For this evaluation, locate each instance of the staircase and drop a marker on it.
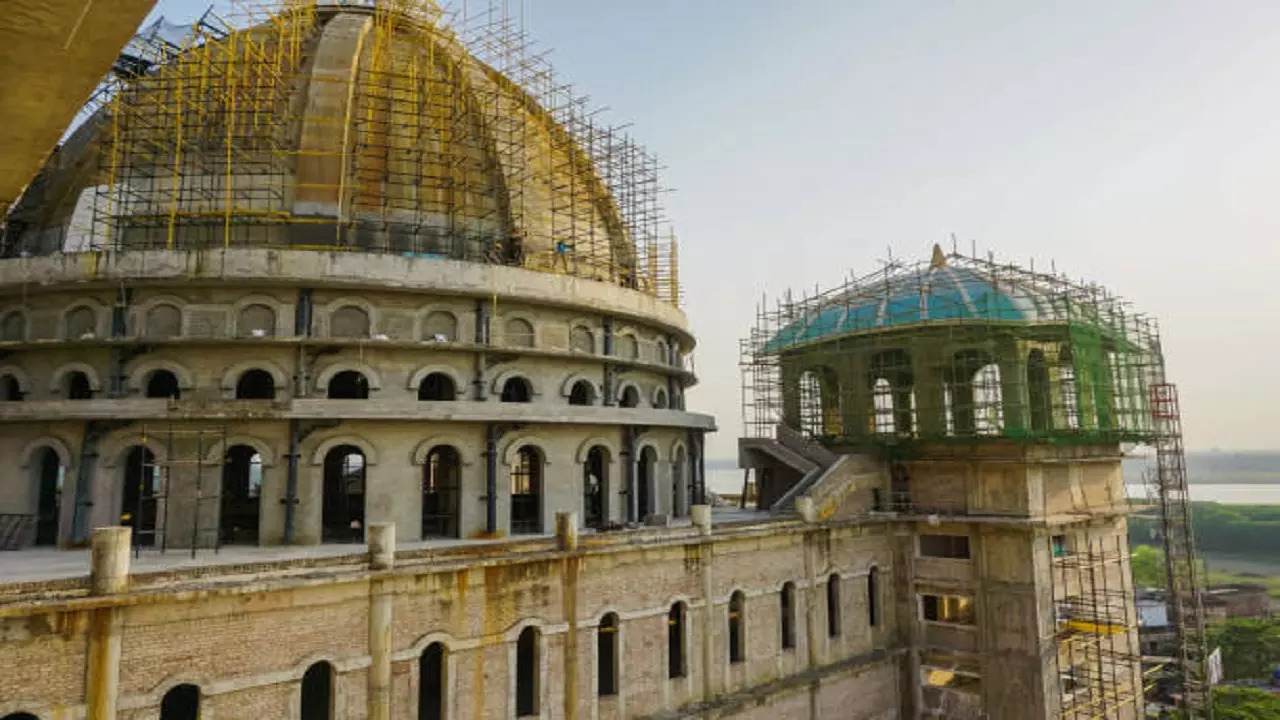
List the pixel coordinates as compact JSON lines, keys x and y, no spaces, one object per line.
{"x":826,"y":477}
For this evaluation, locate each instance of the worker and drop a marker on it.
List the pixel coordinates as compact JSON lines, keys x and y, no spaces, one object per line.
{"x":515,"y":249}
{"x":562,"y":255}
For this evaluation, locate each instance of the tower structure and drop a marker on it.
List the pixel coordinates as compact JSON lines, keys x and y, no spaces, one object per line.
{"x":995,"y":400}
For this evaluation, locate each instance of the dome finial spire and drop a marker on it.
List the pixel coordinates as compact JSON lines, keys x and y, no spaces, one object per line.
{"x":939,"y":260}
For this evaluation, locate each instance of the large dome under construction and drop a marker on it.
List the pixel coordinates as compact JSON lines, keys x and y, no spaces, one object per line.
{"x":350,"y":127}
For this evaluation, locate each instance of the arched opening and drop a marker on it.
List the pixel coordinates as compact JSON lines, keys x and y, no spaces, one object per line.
{"x":138,"y":494}
{"x":181,"y":703}
{"x":630,"y":397}
{"x":526,"y":492}
{"x":662,"y":353}
{"x":437,"y":387}
{"x":75,"y":385}
{"x":256,"y":321}
{"x":892,"y":385}
{"x":518,"y":332}
{"x":882,"y":404}
{"x":627,"y":347}
{"x":680,"y":490}
{"x":317,"y":692}
{"x":164,"y":321}
{"x":440,"y":326}
{"x":974,"y":385}
{"x":1068,"y":389}
{"x":13,"y":328}
{"x":20,"y":716}
{"x":441,"y":492}
{"x":737,"y":605}
{"x":1038,"y":392}
{"x":517,"y":390}
{"x":162,"y":384}
{"x":348,"y":385}
{"x":256,"y":385}
{"x":660,"y":399}
{"x":581,"y":393}
{"x":10,"y":389}
{"x":645,"y":483}
{"x":50,"y":474}
{"x":607,"y":656}
{"x":241,"y":496}
{"x":787,"y":612}
{"x":431,"y":682}
{"x":676,"y":665}
{"x":873,"y":597}
{"x":344,"y":483}
{"x":82,"y":322}
{"x":833,"y":605}
{"x":988,"y":407}
{"x":527,"y":660}
{"x":594,"y":487}
{"x":581,"y":340}
{"x":349,"y":322}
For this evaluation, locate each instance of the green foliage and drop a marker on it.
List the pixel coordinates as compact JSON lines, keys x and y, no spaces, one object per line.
{"x":1234,"y":703}
{"x":1250,"y":648}
{"x":1250,"y":530}
{"x":1148,"y":566}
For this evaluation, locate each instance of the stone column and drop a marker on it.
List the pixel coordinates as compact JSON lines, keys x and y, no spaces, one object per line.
{"x":701,"y":516}
{"x":108,"y":575}
{"x":382,"y":556}
{"x":567,"y":540}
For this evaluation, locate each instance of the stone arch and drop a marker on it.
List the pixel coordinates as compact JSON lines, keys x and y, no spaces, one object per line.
{"x":57,"y":444}
{"x":659,"y":399}
{"x":626,"y":345}
{"x":439,"y":321}
{"x":18,"y":374}
{"x":519,"y":330}
{"x":325,"y":375}
{"x":262,"y":447}
{"x":15,"y":323}
{"x":371,"y":312}
{"x":566,"y":386}
{"x":113,"y":451}
{"x":254,"y":313}
{"x":162,"y":318}
{"x":641,"y":444}
{"x":500,"y":379}
{"x":538,"y":442}
{"x":580,"y":455}
{"x":459,"y":382}
{"x":621,"y":392}
{"x":582,"y":338}
{"x":677,"y":445}
{"x":369,"y":450}
{"x":159,"y":690}
{"x":461,"y":444}
{"x":76,"y":312}
{"x":138,"y":375}
{"x":232,"y":375}
{"x":55,"y":384}
{"x":420,"y":645}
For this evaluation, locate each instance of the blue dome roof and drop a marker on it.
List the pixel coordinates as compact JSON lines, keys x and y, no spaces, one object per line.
{"x":935,"y":294}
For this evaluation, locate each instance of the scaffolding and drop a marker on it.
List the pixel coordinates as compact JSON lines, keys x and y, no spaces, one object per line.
{"x":1095,"y":630}
{"x":450,"y":137}
{"x":180,"y":484}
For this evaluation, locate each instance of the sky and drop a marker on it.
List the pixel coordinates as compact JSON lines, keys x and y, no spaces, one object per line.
{"x":1132,"y":144}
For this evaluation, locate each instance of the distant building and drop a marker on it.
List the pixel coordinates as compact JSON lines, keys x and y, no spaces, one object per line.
{"x":1236,"y":600}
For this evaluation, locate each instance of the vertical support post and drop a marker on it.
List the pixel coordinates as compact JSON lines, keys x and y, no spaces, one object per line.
{"x":382,"y":557}
{"x":628,"y":457}
{"x":108,"y":575}
{"x":291,"y":484}
{"x":482,"y":340}
{"x":567,"y":540}
{"x":491,"y":479}
{"x":701,"y":516}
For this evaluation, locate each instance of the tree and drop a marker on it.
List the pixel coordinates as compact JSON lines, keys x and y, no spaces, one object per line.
{"x":1235,"y":703}
{"x":1250,"y":648}
{"x":1148,"y":568}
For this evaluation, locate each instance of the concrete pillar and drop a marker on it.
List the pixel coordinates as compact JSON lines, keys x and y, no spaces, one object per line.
{"x":108,"y":575}
{"x":804,"y":506}
{"x":382,"y":556}
{"x":566,"y":530}
{"x":701,"y":516}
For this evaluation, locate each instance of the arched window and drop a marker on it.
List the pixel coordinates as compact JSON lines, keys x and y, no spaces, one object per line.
{"x":630,"y":397}
{"x":1067,"y":386}
{"x":833,"y":605}
{"x":181,"y":703}
{"x":581,"y":340}
{"x":241,"y":496}
{"x":607,"y":656}
{"x":873,"y":597}
{"x":82,"y":322}
{"x":737,"y":638}
{"x":645,"y":480}
{"x":437,"y":387}
{"x":20,"y":716}
{"x":162,"y":384}
{"x":519,"y":333}
{"x":527,"y":661}
{"x":1038,"y":392}
{"x":663,"y":353}
{"x":441,"y":492}
{"x":627,"y":347}
{"x":988,"y":409}
{"x":431,"y":682}
{"x":882,"y":401}
{"x":594,"y":487}
{"x":256,"y":321}
{"x":819,"y":395}
{"x":256,"y":384}
{"x":75,"y":385}
{"x":517,"y":390}
{"x":676,"y":664}
{"x":680,"y":490}
{"x":317,"y":692}
{"x":344,"y":486}
{"x":10,"y":389}
{"x":660,"y":399}
{"x":138,"y":494}
{"x":349,"y":321}
{"x":581,"y":393}
{"x":164,"y":321}
{"x":526,"y":492}
{"x":13,"y":328}
{"x":787,"y":612}
{"x":50,"y":475}
{"x":348,"y":385}
{"x":440,"y":326}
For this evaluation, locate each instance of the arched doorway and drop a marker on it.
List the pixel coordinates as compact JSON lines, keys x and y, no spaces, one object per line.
{"x":163,"y":384}
{"x":76,"y":386}
{"x":526,"y":492}
{"x":645,"y":483}
{"x":50,"y":474}
{"x":348,"y":385}
{"x":138,"y":494}
{"x":441,"y":491}
{"x":256,"y":385}
{"x":595,"y":487}
{"x":241,"y":496}
{"x":181,"y":703}
{"x":437,"y":387}
{"x":342,"y":515}
{"x":317,"y":692}
{"x":431,"y":679}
